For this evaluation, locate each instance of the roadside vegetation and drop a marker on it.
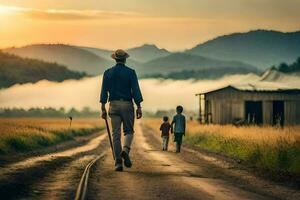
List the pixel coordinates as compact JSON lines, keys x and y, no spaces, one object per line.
{"x":27,"y":134}
{"x":276,"y":151}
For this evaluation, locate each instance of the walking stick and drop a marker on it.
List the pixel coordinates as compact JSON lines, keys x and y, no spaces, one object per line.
{"x":109,"y":136}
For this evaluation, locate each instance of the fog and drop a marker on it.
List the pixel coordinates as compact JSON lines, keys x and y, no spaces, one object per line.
{"x":158,"y":94}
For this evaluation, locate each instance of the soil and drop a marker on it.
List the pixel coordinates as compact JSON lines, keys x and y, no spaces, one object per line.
{"x":191,"y":174}
{"x":155,"y":174}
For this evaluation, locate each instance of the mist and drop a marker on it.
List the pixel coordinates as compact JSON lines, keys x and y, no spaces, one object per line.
{"x":158,"y":94}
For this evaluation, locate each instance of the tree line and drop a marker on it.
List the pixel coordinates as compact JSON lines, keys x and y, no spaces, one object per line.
{"x":15,"y":69}
{"x":48,"y":112}
{"x":289,"y":68}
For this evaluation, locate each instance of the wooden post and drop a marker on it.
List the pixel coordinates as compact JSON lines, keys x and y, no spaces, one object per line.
{"x":200,"y":110}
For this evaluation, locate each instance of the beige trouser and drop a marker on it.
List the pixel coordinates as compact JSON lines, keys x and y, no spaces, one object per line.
{"x":121,"y":112}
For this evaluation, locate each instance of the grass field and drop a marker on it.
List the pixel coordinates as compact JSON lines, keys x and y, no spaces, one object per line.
{"x":272,"y":149}
{"x":25,"y":134}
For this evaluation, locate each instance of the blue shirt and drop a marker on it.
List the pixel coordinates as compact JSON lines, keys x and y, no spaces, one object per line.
{"x":120,"y":83}
{"x":179,"y":121}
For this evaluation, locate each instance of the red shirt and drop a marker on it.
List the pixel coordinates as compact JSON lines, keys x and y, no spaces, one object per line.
{"x":165,"y":129}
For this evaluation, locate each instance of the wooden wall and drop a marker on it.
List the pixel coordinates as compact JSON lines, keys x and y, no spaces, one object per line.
{"x":229,"y":104}
{"x":267,"y":107}
{"x":292,"y":112}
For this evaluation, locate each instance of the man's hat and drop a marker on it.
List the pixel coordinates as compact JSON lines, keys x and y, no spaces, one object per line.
{"x":120,"y":54}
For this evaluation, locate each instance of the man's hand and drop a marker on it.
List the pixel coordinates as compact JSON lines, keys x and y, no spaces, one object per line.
{"x":104,"y":113}
{"x":139,"y":113}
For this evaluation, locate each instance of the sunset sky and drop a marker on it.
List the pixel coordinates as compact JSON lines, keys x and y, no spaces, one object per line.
{"x":170,"y":24}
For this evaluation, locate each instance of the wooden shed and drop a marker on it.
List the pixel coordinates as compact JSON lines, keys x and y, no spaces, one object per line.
{"x":260,"y":103}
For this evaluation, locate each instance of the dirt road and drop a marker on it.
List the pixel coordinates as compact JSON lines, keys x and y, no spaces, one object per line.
{"x":188,"y":175}
{"x":155,"y":175}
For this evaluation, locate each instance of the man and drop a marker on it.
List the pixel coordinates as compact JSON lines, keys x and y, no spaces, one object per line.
{"x":119,"y":86}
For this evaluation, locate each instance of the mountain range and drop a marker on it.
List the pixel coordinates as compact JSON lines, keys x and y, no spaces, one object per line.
{"x":260,"y":48}
{"x":76,"y":59}
{"x":253,"y":51}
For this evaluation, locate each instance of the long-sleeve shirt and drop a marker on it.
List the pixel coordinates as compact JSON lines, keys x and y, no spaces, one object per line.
{"x":120,"y":83}
{"x":179,"y":123}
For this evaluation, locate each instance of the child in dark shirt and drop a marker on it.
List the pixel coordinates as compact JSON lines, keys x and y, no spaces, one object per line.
{"x":165,"y":131}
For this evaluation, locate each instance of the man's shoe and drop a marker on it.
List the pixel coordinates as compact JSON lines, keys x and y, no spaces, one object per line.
{"x":126,"y":158}
{"x":119,"y":168}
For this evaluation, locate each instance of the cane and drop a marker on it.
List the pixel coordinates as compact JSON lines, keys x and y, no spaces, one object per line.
{"x":109,"y":136}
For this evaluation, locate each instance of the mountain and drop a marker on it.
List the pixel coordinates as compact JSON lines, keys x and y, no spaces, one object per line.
{"x":107,"y":55}
{"x":15,"y":69}
{"x":146,"y":53}
{"x":74,"y":58}
{"x":177,"y":62}
{"x":260,"y":48}
{"x":97,"y":51}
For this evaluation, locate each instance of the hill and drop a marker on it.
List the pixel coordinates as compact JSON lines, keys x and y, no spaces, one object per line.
{"x":146,"y":53}
{"x":259,"y":48}
{"x":138,"y":55}
{"x":23,"y":70}
{"x":74,"y":58}
{"x":178,"y":62}
{"x":107,"y":55}
{"x":97,"y":51}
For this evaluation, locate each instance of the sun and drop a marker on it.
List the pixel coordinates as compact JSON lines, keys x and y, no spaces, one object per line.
{"x":4,"y":10}
{"x":8,"y":9}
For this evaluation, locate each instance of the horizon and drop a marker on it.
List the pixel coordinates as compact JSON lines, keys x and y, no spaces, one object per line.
{"x":150,"y":44}
{"x":118,"y":24}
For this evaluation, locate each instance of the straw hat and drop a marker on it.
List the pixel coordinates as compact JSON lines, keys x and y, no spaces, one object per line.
{"x":120,"y":54}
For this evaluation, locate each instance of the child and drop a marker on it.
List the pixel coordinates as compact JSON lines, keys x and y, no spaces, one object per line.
{"x":179,"y":127}
{"x":165,"y":130}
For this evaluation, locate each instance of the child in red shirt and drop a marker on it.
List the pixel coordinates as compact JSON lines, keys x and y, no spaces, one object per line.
{"x":165,"y":132}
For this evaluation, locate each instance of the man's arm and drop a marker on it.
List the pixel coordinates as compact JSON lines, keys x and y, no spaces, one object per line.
{"x":137,"y":95}
{"x":136,"y":92}
{"x":104,"y":95}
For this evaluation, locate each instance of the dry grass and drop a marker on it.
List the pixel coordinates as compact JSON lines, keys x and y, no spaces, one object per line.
{"x":255,"y":134}
{"x":268,"y":148}
{"x":23,"y":134}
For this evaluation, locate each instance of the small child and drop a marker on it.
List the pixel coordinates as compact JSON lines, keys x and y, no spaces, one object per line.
{"x":165,"y":131}
{"x":179,"y":127}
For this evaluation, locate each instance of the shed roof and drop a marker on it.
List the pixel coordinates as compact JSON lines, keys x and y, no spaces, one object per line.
{"x":259,"y":86}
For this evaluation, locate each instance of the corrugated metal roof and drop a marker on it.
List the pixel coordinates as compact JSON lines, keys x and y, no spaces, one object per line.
{"x":262,"y":86}
{"x":259,"y":86}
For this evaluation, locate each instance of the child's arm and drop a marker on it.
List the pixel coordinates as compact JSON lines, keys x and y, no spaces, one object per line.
{"x":173,"y":121}
{"x":184,"y":125}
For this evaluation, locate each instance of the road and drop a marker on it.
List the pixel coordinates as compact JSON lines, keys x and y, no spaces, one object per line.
{"x":155,"y":174}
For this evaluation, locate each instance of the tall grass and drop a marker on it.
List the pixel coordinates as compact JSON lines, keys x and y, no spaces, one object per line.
{"x":273,"y":149}
{"x":19,"y":135}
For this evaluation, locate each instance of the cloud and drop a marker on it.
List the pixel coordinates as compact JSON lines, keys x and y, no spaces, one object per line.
{"x":65,"y":14}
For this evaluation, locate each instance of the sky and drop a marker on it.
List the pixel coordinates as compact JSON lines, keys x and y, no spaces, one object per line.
{"x":171,"y":24}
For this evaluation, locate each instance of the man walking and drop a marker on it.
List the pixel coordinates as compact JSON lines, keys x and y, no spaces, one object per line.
{"x":119,"y":86}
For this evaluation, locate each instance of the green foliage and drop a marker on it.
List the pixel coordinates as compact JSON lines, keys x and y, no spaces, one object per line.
{"x":15,"y":70}
{"x":294,"y":67}
{"x":284,"y":157}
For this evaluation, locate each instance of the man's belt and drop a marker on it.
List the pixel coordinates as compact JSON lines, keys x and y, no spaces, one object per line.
{"x":120,"y":99}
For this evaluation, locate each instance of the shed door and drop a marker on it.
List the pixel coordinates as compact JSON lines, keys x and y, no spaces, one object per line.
{"x":253,"y":112}
{"x":278,"y":113}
